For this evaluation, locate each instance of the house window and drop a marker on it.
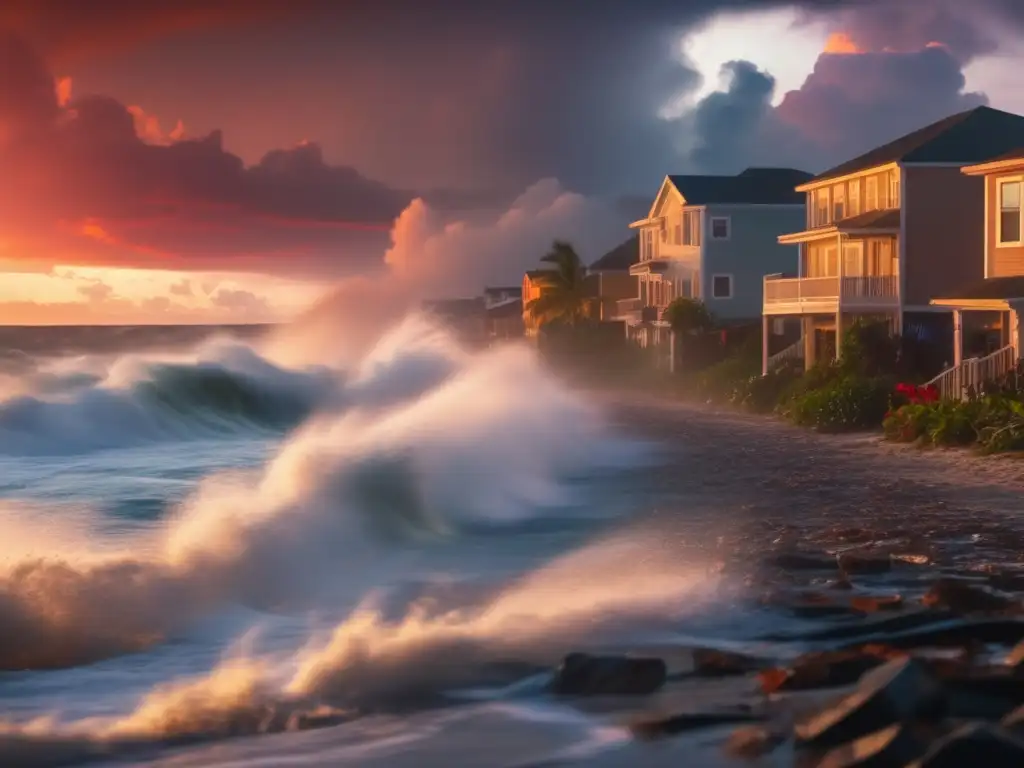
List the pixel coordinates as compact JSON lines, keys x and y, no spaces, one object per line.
{"x":871,"y":193}
{"x":721,"y":286}
{"x":853,"y":201}
{"x":839,"y":202}
{"x":720,"y":228}
{"x":778,"y":326}
{"x":678,"y":239}
{"x":686,"y":289}
{"x":894,"y":189}
{"x":821,"y":208}
{"x":1010,"y":212}
{"x":691,"y":228}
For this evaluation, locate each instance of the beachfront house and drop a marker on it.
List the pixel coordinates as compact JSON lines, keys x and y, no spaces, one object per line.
{"x":611,"y":277}
{"x":986,"y":313}
{"x":712,"y":238}
{"x":504,"y":311}
{"x":887,"y":232}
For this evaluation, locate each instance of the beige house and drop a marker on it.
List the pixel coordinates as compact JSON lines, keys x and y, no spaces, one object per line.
{"x":889,"y":231}
{"x":986,"y":313}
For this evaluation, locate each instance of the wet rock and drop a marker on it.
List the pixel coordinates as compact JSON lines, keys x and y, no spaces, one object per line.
{"x":864,"y":563}
{"x":975,"y":744}
{"x":1015,"y":658}
{"x":1015,"y":720}
{"x":583,"y":675}
{"x":988,"y":694}
{"x":753,"y":741}
{"x":877,"y":603}
{"x":827,"y":669}
{"x":961,"y":596}
{"x":900,"y":690}
{"x":843,"y":584}
{"x":676,"y":724}
{"x":711,"y":662}
{"x":804,"y":561}
{"x":896,"y":745}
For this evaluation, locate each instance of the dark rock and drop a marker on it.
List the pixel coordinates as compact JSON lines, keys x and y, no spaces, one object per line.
{"x":1015,"y":658}
{"x":828,"y":669}
{"x":902,"y":689}
{"x":896,"y":745}
{"x":876,"y":603}
{"x":975,"y":744}
{"x":1015,"y":720}
{"x":852,"y":563}
{"x":711,"y":662}
{"x":982,"y":693}
{"x":675,"y":724}
{"x":804,"y":561}
{"x":583,"y":675}
{"x":961,"y":596}
{"x":753,"y":741}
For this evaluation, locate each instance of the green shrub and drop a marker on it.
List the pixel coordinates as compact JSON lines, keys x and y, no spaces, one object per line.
{"x":993,"y":423}
{"x":846,"y":404}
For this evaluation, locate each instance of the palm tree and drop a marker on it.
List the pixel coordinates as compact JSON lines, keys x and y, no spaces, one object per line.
{"x":564,"y":294}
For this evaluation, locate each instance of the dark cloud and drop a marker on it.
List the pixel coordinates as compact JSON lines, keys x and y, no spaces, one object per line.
{"x":848,"y":104}
{"x":404,"y":95}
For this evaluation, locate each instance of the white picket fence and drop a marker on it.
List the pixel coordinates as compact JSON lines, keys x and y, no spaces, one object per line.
{"x":958,"y":382}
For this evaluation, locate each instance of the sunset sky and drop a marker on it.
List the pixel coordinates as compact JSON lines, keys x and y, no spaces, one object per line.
{"x":215,"y":161}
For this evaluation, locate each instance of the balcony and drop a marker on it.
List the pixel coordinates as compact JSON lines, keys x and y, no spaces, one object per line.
{"x":636,"y":311}
{"x":811,"y":295}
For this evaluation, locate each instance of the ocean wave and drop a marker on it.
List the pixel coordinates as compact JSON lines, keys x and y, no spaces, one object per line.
{"x":368,"y":665}
{"x":465,"y":442}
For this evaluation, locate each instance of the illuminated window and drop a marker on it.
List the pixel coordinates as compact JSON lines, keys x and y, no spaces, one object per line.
{"x":1010,"y":212}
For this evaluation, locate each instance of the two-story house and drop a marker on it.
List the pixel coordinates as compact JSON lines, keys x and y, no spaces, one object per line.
{"x":890,"y":230}
{"x":987,"y":313}
{"x":611,"y":277}
{"x":714,"y":238}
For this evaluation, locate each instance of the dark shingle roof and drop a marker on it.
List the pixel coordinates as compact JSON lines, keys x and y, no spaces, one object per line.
{"x":974,"y":136}
{"x":884,"y":219}
{"x":754,"y":186}
{"x":620,"y":258}
{"x":508,"y":309}
{"x":992,"y":288}
{"x":515,"y":290}
{"x":533,"y":274}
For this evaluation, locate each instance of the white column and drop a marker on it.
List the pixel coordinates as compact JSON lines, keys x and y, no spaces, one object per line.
{"x":764,"y":343}
{"x":958,"y":337}
{"x":839,"y":333}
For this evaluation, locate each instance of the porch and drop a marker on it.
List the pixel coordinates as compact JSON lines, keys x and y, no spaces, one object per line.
{"x":986,"y":335}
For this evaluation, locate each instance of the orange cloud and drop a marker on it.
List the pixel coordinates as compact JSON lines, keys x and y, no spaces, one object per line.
{"x":147,"y":128}
{"x":63,"y":91}
{"x":840,"y":43}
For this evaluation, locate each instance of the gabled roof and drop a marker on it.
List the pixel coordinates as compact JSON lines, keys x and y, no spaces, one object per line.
{"x":754,"y":186}
{"x":1008,"y":161}
{"x":973,"y":136}
{"x":620,"y":258}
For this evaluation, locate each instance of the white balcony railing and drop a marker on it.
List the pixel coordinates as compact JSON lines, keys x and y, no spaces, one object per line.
{"x":960,"y":381}
{"x":877,"y":289}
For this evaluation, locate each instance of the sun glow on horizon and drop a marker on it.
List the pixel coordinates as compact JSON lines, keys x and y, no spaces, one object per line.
{"x":68,"y":295}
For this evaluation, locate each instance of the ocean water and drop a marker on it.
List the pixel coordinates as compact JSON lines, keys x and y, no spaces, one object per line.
{"x":254,"y":549}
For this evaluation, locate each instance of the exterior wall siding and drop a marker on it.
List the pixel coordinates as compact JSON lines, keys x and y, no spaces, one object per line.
{"x":612,"y":287}
{"x":751,"y":252}
{"x":944,"y":215}
{"x":1002,"y":261}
